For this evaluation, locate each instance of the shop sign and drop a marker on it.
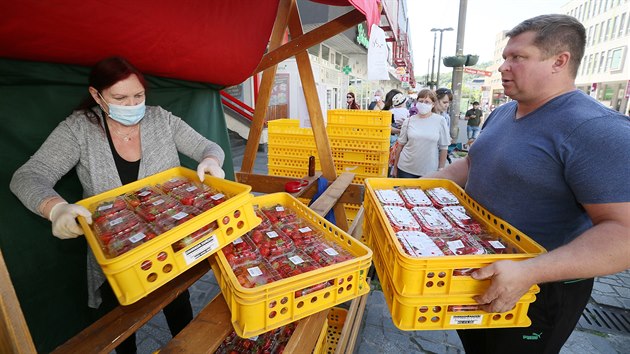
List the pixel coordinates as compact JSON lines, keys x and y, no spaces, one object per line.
{"x":362,"y":37}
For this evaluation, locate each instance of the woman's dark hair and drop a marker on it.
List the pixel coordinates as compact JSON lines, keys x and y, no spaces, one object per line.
{"x":105,"y":74}
{"x":388,"y":99}
{"x":443,"y":91}
{"x":354,"y":104}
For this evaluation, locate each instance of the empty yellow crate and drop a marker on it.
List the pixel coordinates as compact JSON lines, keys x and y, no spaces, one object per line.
{"x":128,"y":273}
{"x":413,"y":276}
{"x":446,"y":312}
{"x":332,"y":331}
{"x":348,"y":156}
{"x":359,"y":118}
{"x":263,"y":308}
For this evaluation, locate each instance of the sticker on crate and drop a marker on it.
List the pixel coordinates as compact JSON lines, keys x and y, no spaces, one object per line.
{"x":147,"y":232}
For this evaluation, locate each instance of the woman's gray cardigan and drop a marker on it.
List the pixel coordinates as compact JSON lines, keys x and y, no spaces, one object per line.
{"x":79,"y":142}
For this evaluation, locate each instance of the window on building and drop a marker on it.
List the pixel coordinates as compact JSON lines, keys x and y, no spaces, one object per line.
{"x":344,"y":61}
{"x":602,"y":31}
{"x":602,"y":62}
{"x":590,"y":64}
{"x":338,"y":58}
{"x":587,"y":9}
{"x":616,"y":62}
{"x":593,"y":8}
{"x":595,"y":62}
{"x":599,"y":8}
{"x":608,"y":29}
{"x":582,"y":65}
{"x":589,"y":35}
{"x":314,"y":50}
{"x":595,"y":34}
{"x":579,"y":13}
{"x":622,"y":24}
{"x":325,"y":52}
{"x":613,"y":32}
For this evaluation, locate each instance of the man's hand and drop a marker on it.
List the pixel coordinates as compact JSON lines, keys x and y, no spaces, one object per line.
{"x":509,"y":281}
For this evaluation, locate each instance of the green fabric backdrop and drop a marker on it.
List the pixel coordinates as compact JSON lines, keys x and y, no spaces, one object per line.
{"x":48,"y":274}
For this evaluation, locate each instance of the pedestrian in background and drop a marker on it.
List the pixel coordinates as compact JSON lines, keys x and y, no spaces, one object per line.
{"x":473,"y":116}
{"x":553,"y":163}
{"x":444,"y":99}
{"x":377,"y":102}
{"x":351,"y":102}
{"x":420,"y":136}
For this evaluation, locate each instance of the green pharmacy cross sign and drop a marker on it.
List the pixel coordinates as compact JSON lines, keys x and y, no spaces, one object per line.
{"x":346,"y":69}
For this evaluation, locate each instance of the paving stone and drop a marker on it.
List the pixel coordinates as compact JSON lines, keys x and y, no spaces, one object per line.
{"x":603,"y":288}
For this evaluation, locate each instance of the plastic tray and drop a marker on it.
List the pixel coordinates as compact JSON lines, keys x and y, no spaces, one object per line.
{"x":356,"y":118}
{"x":145,"y":268}
{"x":414,"y":276}
{"x":269,"y":306}
{"x":445,"y":313}
{"x":331,"y":331}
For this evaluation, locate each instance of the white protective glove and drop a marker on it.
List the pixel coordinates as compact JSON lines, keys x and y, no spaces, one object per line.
{"x":211,"y":166}
{"x":63,"y":217}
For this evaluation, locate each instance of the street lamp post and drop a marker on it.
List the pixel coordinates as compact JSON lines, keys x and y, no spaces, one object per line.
{"x":441,"y":30}
{"x":433,"y":62}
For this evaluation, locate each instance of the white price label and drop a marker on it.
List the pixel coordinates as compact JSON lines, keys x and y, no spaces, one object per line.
{"x":296,"y":260}
{"x":144,"y":194}
{"x":272,"y":234}
{"x":279,"y":208}
{"x":191,"y":188}
{"x":180,"y":215}
{"x":137,"y":237}
{"x":105,"y":207}
{"x":158,"y":202}
{"x":116,"y":221}
{"x":305,"y":229}
{"x":237,"y":241}
{"x":331,"y":252}
{"x":455,"y":245}
{"x":254,"y":271}
{"x":496,"y":244}
{"x":217,"y":196}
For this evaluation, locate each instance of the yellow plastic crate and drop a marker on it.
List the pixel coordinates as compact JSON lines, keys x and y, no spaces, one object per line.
{"x":297,"y":172}
{"x":125,"y":273}
{"x":263,"y":308}
{"x":332,"y":331}
{"x":367,"y":158}
{"x":362,"y":168}
{"x":445,"y":312}
{"x":359,"y":117}
{"x":300,"y":172}
{"x":322,"y":338}
{"x":351,"y":212}
{"x":359,"y":132}
{"x":414,"y":276}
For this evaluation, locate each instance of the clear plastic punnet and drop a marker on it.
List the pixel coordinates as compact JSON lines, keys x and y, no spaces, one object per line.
{"x":414,"y":197}
{"x":458,"y":216}
{"x":389,"y":197}
{"x":418,"y":244}
{"x":442,"y":197}
{"x":432,"y":221}
{"x":400,"y":218}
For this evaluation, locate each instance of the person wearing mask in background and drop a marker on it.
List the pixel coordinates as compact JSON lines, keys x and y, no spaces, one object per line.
{"x":554,"y":164}
{"x":112,"y":139}
{"x":395,"y":103}
{"x":351,"y":102}
{"x":473,"y":116}
{"x":420,"y":136}
{"x":444,"y":98}
{"x":377,"y":103}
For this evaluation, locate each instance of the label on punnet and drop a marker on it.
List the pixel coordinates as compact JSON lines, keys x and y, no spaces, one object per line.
{"x":217,"y":196}
{"x":272,"y":234}
{"x":116,"y":221}
{"x":496,"y":244}
{"x":254,"y":271}
{"x":279,"y":208}
{"x":467,"y":320}
{"x":191,"y":188}
{"x":180,"y":215}
{"x":254,"y":338}
{"x":158,"y":202}
{"x":202,"y":249}
{"x":237,"y":241}
{"x":137,"y":237}
{"x":144,"y":194}
{"x":454,"y":245}
{"x":331,"y":252}
{"x":296,"y":260}
{"x":305,"y":229}
{"x":105,"y":207}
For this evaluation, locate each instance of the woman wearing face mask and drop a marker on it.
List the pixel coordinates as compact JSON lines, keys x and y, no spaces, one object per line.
{"x":112,"y":139}
{"x":351,"y":101}
{"x":419,"y":137}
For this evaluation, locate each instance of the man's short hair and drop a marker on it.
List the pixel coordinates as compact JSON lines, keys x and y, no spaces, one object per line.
{"x":475,"y":103}
{"x":554,"y":34}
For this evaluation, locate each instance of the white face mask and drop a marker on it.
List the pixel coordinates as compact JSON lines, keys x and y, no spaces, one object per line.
{"x":126,"y":115}
{"x":423,"y":108}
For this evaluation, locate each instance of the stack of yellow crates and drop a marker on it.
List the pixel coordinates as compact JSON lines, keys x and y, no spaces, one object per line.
{"x":359,"y":141}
